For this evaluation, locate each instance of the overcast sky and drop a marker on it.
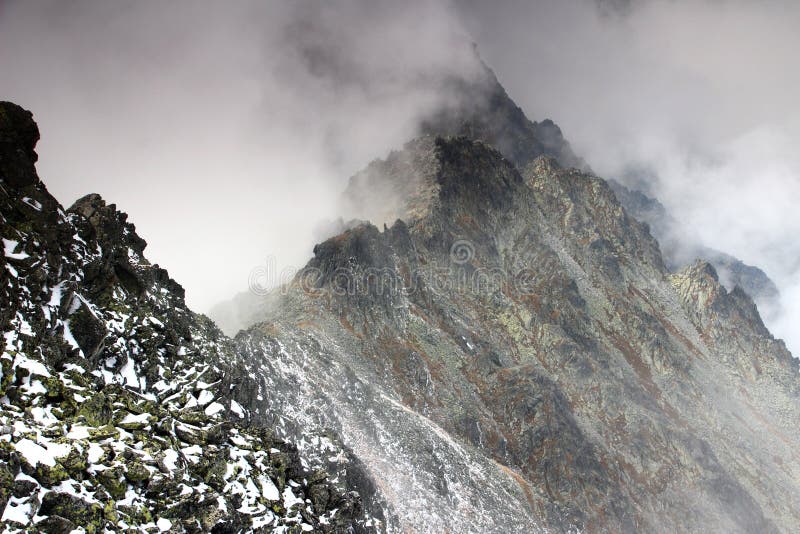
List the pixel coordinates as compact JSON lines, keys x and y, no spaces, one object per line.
{"x":227,"y":130}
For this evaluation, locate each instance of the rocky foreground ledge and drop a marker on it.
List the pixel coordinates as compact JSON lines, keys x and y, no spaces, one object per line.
{"x":115,"y":399}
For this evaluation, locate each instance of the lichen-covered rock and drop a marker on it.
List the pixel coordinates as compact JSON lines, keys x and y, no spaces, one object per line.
{"x":72,"y":508}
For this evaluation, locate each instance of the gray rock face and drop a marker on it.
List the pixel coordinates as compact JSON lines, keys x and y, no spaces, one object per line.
{"x":512,"y":354}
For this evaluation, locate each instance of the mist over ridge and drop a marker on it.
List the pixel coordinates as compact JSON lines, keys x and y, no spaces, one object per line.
{"x":466,"y":267}
{"x":252,"y":110}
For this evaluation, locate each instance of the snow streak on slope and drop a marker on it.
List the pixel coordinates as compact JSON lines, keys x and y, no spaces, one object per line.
{"x":430,"y":481}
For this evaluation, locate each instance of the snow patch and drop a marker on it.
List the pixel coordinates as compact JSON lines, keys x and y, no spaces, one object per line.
{"x":268,"y":488}
{"x":17,"y":511}
{"x":10,"y":245}
{"x":35,"y":454}
{"x":135,"y":418}
{"x":55,"y":294}
{"x":205,"y":397}
{"x":68,"y":337}
{"x":128,"y":374}
{"x":237,"y":409}
{"x":95,"y":453}
{"x":171,"y":460}
{"x":34,"y":367}
{"x":35,"y":204}
{"x":289,"y":498}
{"x":214,"y":408}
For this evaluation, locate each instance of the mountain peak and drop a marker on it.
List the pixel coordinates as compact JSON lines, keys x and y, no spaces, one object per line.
{"x":482,"y":110}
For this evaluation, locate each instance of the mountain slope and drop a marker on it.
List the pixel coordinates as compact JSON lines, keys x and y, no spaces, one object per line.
{"x":512,"y":354}
{"x":115,"y":399}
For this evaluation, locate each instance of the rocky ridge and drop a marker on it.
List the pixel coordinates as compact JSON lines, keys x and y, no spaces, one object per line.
{"x":679,"y":250}
{"x":116,"y":402}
